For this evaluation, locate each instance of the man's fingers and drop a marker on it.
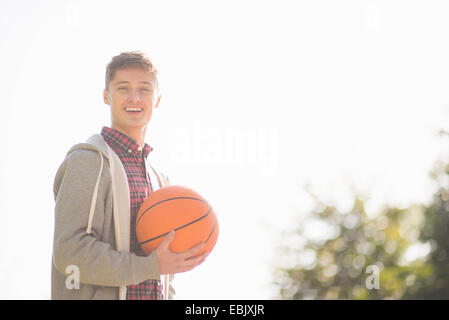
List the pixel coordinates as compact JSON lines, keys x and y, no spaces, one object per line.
{"x":196,"y":259}
{"x":194,"y":262}
{"x":173,"y":262}
{"x":191,"y":252}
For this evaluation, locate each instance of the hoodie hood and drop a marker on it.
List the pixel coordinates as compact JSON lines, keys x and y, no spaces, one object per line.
{"x":94,"y":143}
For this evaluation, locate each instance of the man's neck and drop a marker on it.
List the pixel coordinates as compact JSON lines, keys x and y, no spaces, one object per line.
{"x":136,"y":134}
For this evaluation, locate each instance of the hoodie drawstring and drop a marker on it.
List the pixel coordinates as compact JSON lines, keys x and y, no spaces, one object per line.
{"x":94,"y":198}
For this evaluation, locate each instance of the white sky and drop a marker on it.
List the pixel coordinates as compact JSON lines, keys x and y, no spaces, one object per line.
{"x":259,"y":98}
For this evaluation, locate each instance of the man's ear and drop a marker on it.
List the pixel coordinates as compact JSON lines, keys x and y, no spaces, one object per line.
{"x":158,"y":101}
{"x":105,"y":96}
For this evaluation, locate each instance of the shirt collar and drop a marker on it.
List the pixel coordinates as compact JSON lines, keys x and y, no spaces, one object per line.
{"x":122,"y":143}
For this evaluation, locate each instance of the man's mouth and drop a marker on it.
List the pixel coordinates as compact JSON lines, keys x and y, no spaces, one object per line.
{"x":133,"y":109}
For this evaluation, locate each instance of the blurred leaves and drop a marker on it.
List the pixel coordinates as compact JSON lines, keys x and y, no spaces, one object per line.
{"x":410,"y":247}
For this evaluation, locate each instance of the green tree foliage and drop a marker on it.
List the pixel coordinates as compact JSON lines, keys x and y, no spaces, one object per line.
{"x":335,"y":266}
{"x":435,"y":231}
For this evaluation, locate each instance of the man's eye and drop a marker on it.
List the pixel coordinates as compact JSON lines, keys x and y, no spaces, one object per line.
{"x":146,"y":89}
{"x":122,"y":88}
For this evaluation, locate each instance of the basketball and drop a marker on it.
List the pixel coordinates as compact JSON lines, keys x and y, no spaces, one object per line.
{"x":181,"y":209}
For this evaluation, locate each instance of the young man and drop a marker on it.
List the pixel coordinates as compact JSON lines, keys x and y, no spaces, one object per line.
{"x":98,"y":190}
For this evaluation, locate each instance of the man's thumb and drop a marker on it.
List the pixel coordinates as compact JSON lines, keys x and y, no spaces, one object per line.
{"x":168,"y":238}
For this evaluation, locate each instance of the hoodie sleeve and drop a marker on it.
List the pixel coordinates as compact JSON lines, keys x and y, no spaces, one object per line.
{"x":98,"y":262}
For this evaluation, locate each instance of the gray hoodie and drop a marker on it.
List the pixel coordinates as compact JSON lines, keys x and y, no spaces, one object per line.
{"x":92,"y":227}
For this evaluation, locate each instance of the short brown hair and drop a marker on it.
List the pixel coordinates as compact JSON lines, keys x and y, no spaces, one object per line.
{"x":129,"y":59}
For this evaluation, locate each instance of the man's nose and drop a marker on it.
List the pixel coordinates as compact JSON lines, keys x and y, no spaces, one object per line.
{"x":135,"y":96}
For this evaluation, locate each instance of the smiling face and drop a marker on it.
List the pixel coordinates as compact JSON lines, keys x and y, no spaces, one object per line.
{"x":132,"y":94}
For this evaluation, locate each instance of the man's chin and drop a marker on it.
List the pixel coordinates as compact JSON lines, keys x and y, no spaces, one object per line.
{"x":133,"y":125}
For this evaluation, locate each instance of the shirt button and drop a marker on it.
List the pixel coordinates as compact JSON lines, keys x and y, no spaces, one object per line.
{"x":139,"y":148}
{"x":129,"y":151}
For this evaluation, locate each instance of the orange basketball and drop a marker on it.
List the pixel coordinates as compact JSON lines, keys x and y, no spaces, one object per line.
{"x":180,"y":209}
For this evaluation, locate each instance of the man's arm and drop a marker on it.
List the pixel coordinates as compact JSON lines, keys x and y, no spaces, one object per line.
{"x":98,"y":262}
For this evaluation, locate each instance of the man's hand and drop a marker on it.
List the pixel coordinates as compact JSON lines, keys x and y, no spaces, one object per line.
{"x":171,"y":262}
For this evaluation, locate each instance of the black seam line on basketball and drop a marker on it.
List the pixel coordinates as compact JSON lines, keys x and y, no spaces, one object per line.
{"x":190,"y":198}
{"x":178,"y":228}
{"x":213,"y":228}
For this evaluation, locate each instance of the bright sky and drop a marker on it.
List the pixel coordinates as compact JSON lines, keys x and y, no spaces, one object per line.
{"x":259,"y":99}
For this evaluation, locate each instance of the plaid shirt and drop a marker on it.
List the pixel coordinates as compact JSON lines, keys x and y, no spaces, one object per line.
{"x":132,"y":157}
